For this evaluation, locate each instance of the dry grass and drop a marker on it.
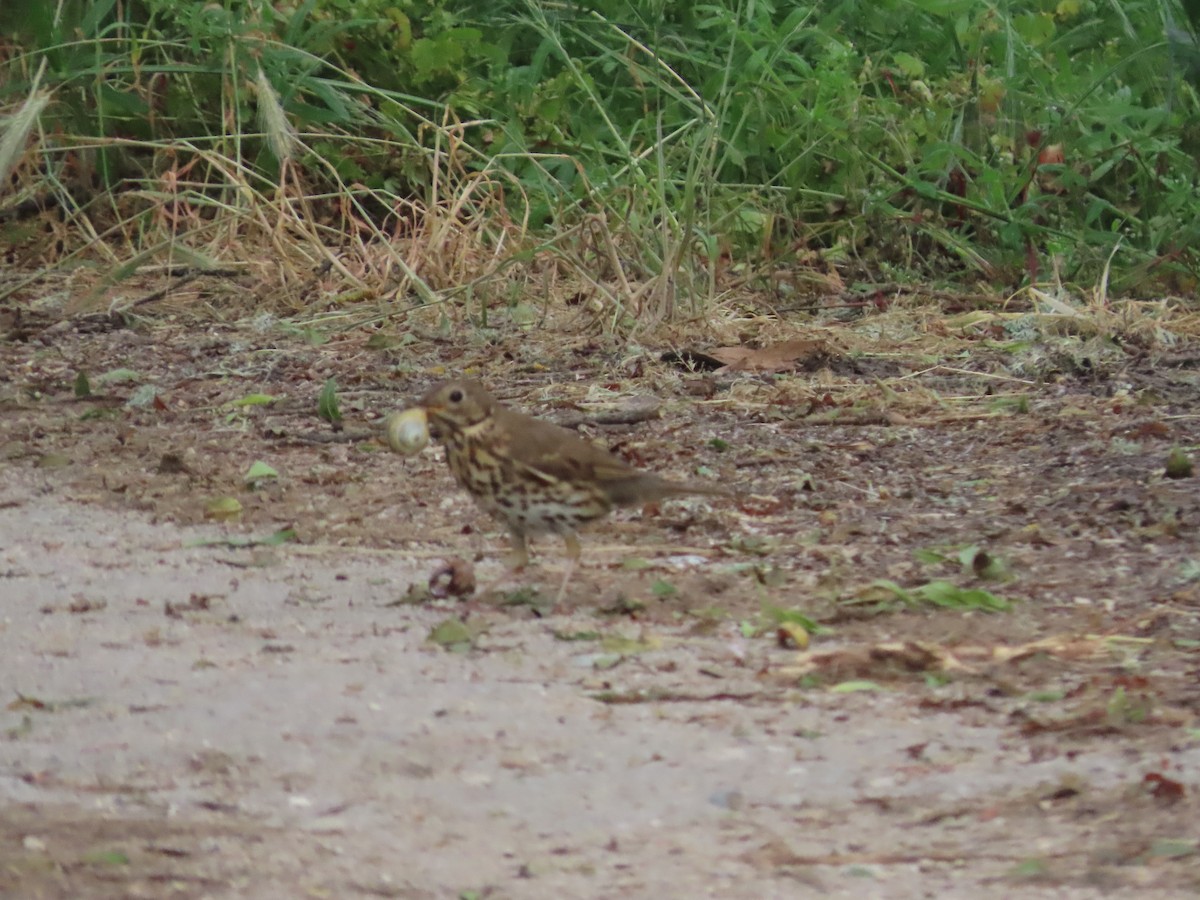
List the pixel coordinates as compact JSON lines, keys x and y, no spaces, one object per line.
{"x":294,"y":248}
{"x":207,"y":236}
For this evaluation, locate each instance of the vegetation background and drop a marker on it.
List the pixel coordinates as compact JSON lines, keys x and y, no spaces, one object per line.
{"x":936,"y":260}
{"x":645,"y":160}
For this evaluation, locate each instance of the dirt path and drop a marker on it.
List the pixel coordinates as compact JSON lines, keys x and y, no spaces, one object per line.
{"x":202,"y":720}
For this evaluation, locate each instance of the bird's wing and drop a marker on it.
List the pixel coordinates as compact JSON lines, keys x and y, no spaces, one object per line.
{"x":560,"y":454}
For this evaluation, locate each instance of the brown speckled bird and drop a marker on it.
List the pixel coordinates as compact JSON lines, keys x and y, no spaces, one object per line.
{"x":535,"y":476}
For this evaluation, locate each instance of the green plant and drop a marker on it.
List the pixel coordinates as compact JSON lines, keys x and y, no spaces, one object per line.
{"x":650,"y":155}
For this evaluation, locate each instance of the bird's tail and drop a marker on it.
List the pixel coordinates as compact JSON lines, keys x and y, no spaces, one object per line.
{"x":645,"y":488}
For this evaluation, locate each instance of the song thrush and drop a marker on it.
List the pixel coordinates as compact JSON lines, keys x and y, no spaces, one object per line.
{"x":535,"y":476}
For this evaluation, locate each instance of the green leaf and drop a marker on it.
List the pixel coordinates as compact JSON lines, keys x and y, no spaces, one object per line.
{"x":1179,"y":464}
{"x":106,"y":858}
{"x":777,"y":615}
{"x":381,"y":340}
{"x":945,"y":594}
{"x":854,"y":687}
{"x":944,"y":7}
{"x":577,"y":635}
{"x":254,"y":400}
{"x":930,"y":557}
{"x":524,"y":314}
{"x":144,"y":396}
{"x":223,"y":508}
{"x":455,"y":635}
{"x":1017,"y":404}
{"x":1036,"y":28}
{"x":978,"y":562}
{"x":626,"y":646}
{"x":116,"y":376}
{"x":97,"y":413}
{"x":966,"y":556}
{"x":53,"y":461}
{"x":662,"y":589}
{"x":313,"y":337}
{"x":282,"y":536}
{"x":909,"y":64}
{"x":1029,"y":868}
{"x":83,"y":387}
{"x":1173,"y":848}
{"x":93,"y":19}
{"x":258,"y":471}
{"x":936,"y":593}
{"x":897,"y":592}
{"x":1049,"y":696}
{"x":327,"y":403}
{"x":526,"y":596}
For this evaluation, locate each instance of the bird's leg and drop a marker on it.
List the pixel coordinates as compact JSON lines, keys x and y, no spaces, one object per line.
{"x":573,"y":552}
{"x":519,"y":557}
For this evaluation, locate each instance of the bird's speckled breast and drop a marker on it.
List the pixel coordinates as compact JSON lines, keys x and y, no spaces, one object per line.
{"x":476,"y":469}
{"x":527,"y":501}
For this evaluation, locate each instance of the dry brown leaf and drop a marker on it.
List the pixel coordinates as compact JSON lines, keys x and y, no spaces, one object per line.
{"x":880,"y":660}
{"x":877,"y":661}
{"x":776,"y":358}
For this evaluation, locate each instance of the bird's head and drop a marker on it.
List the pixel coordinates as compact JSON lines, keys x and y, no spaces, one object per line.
{"x":454,"y":406}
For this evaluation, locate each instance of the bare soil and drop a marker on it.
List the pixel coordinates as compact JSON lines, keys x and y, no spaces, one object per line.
{"x":195,"y":710}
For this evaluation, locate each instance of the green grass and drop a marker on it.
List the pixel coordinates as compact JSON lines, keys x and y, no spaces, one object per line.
{"x":651,"y":158}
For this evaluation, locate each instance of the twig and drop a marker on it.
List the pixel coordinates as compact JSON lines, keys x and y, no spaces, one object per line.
{"x":184,"y":274}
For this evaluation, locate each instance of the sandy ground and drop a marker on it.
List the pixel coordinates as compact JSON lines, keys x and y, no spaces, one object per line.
{"x":185,"y":718}
{"x":292,"y":734}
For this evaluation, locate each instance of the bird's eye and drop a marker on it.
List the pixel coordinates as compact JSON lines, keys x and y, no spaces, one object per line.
{"x":456,"y":396}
